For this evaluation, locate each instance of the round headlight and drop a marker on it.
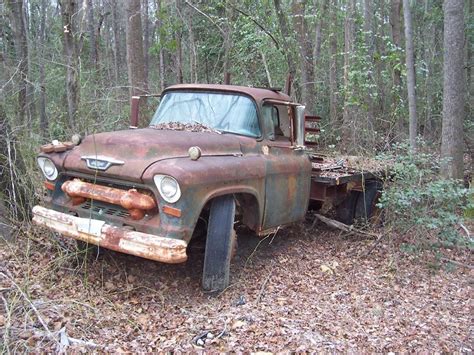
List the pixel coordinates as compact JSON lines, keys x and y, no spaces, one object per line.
{"x":168,"y":188}
{"x":48,"y":168}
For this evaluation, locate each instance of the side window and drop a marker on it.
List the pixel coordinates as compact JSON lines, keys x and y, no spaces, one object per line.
{"x":277,"y":122}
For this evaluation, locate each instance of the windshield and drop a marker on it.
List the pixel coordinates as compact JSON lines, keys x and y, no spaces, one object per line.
{"x":222,"y":112}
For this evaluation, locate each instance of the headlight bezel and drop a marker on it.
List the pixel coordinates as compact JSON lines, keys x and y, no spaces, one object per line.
{"x":159,"y":180}
{"x":45,"y":163}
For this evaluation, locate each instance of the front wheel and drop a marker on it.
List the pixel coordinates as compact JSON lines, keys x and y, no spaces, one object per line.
{"x":219,"y":244}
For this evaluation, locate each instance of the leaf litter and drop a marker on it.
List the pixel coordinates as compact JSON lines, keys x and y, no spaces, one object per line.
{"x":301,"y":290}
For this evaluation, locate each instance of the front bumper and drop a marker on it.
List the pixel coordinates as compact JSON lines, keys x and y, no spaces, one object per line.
{"x":98,"y":232}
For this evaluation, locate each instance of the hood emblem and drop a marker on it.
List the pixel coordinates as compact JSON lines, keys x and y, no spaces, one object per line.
{"x":99,"y":162}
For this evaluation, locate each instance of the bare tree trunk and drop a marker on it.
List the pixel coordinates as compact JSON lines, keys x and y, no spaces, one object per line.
{"x":42,"y":99}
{"x":68,"y":11}
{"x":92,"y":35}
{"x":333,"y":66}
{"x":135,"y":60}
{"x":411,"y":80}
{"x":146,"y":39}
{"x":117,"y":50}
{"x":369,"y":42}
{"x":306,"y":55}
{"x":348,"y":119}
{"x":227,"y":40}
{"x":285,"y":34}
{"x":161,"y":54}
{"x":395,"y":24}
{"x":469,"y":56}
{"x":17,"y":19}
{"x":318,"y":36}
{"x":454,"y":89}
{"x":179,"y":58}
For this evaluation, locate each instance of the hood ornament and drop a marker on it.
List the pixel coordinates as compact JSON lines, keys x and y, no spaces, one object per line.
{"x":100,"y":162}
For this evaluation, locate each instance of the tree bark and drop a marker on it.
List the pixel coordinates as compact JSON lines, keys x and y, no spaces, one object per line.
{"x":68,"y":11}
{"x":42,"y":99}
{"x":17,"y":18}
{"x":92,"y":35}
{"x":146,"y":39}
{"x":395,"y":24}
{"x":411,"y":80}
{"x":333,"y":66}
{"x":285,"y":34}
{"x":116,"y":42}
{"x":369,"y":42}
{"x":348,"y":119}
{"x":306,"y":55}
{"x":161,"y":53}
{"x":135,"y":60}
{"x":454,"y":90}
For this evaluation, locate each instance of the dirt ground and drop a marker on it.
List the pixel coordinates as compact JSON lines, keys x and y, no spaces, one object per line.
{"x":301,"y":289}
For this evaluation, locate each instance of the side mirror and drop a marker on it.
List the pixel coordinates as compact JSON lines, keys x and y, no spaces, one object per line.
{"x":299,"y":126}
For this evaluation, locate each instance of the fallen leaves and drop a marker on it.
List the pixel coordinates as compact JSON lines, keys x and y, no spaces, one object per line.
{"x":314,"y":295}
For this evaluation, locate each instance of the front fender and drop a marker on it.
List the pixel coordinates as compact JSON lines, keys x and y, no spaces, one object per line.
{"x":209,"y":177}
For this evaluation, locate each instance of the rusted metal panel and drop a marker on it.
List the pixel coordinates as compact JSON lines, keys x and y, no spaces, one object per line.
{"x":132,"y":200}
{"x":287,"y":185}
{"x":97,"y":232}
{"x":258,"y":94}
{"x":140,"y":148}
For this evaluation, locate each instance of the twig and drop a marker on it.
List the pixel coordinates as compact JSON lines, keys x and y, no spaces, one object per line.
{"x":258,"y":24}
{"x":458,"y":263}
{"x":206,"y":16}
{"x":344,"y":227}
{"x":38,"y":315}
{"x":262,"y":289}
{"x":465,"y":230}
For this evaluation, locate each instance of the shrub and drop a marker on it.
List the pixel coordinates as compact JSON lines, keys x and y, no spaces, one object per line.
{"x":418,"y":202}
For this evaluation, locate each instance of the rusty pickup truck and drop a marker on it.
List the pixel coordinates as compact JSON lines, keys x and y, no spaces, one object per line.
{"x":219,"y":153}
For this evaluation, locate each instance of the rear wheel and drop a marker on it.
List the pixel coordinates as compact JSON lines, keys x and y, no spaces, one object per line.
{"x":360,"y":206}
{"x":366,"y":207}
{"x":220,"y":243}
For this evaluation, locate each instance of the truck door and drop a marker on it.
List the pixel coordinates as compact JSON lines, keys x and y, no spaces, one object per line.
{"x":288,"y":170}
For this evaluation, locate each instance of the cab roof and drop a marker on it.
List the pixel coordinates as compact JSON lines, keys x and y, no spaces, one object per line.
{"x":258,"y":94}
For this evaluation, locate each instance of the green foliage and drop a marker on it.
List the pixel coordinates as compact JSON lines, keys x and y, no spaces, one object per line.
{"x":418,"y":203}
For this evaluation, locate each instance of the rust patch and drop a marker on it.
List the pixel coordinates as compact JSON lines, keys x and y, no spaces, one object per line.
{"x":135,"y":202}
{"x":96,"y":232}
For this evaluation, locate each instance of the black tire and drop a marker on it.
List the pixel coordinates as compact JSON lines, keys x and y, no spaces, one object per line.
{"x":366,"y":203}
{"x":345,"y":211}
{"x":219,"y":244}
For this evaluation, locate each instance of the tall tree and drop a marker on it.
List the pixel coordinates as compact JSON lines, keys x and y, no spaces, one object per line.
{"x":395,"y":24}
{"x":68,"y":13}
{"x":333,"y":65}
{"x":454,"y":89}
{"x":306,"y":54}
{"x":17,"y":18}
{"x":92,"y":35}
{"x":348,"y":129}
{"x":135,"y":59}
{"x":410,"y":64}
{"x":285,"y":34}
{"x":41,"y":60}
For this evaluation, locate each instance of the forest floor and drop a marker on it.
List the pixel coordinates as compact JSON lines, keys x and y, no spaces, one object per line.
{"x":301,"y":289}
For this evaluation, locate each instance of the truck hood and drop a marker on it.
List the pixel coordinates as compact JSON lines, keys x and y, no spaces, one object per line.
{"x":132,"y":151}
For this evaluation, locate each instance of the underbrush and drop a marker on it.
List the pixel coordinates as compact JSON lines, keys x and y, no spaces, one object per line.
{"x":427,"y":211}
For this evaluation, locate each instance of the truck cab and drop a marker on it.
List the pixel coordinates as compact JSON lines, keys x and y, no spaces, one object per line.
{"x":212,"y":151}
